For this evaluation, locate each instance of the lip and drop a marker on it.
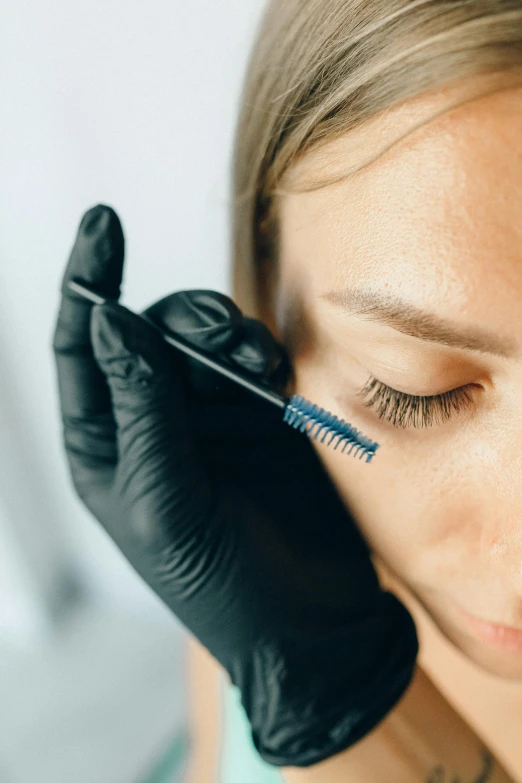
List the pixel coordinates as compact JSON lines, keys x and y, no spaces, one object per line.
{"x":501,"y":637}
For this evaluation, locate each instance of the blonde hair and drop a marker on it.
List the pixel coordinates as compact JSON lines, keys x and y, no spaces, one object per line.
{"x":320,"y":68}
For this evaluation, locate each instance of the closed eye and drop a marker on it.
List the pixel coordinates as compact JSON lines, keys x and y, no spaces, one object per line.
{"x":406,"y":410}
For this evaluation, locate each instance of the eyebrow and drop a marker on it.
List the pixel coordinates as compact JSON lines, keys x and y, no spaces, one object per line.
{"x":407,"y":318}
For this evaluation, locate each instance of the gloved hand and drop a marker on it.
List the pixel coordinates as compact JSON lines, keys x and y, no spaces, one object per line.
{"x":224,"y":510}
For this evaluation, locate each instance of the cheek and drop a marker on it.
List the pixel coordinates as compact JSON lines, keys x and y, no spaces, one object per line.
{"x":419,"y":507}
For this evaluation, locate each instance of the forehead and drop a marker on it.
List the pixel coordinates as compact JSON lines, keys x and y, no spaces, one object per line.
{"x":438,"y":214}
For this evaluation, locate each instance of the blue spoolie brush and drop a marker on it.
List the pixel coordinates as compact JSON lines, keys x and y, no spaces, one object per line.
{"x":298,"y":412}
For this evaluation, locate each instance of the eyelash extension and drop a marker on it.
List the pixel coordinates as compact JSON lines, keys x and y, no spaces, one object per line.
{"x":407,"y":410}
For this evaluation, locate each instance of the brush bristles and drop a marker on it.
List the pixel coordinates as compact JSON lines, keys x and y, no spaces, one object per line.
{"x":306,"y":417}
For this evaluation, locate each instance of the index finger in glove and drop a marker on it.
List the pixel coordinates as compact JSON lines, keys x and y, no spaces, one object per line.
{"x":212,"y":322}
{"x":97,"y":260}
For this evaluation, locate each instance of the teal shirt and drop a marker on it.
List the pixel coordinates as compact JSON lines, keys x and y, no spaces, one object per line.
{"x":240,"y":761}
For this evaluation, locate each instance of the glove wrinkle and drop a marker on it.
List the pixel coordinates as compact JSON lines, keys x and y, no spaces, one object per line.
{"x":206,"y":319}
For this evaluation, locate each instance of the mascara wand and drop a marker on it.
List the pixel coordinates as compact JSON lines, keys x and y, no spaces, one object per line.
{"x":298,"y":412}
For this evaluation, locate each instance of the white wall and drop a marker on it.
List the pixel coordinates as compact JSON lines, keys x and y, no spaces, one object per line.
{"x":132,"y":105}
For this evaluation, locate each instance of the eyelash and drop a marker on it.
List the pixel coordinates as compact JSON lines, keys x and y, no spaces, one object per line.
{"x":407,"y":410}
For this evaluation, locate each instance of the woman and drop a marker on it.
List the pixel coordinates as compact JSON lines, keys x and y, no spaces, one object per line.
{"x":434,"y":221}
{"x":378,"y":177}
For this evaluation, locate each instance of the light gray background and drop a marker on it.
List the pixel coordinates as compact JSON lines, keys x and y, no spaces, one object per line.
{"x":132,"y":105}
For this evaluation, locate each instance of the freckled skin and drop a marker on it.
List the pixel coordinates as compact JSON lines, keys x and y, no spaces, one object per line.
{"x":437,"y":220}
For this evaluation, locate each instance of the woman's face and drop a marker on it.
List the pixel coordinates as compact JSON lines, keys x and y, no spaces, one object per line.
{"x":410,"y":272}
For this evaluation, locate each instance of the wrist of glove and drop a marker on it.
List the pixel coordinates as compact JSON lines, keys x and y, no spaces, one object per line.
{"x":224,"y":510}
{"x":309,"y":697}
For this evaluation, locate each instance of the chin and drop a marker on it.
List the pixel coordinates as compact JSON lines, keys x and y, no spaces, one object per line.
{"x":500,"y":663}
{"x":505,"y":670}
{"x":506,"y":665}
{"x":503,"y":664}
{"x":429,"y":606}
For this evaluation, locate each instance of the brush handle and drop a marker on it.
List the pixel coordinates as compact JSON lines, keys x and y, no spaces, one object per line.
{"x":177,"y":342}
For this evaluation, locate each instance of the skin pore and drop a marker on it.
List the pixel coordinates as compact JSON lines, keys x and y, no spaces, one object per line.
{"x":434,"y":221}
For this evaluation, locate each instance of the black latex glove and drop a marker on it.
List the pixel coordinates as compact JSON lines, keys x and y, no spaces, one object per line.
{"x":224,"y":510}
